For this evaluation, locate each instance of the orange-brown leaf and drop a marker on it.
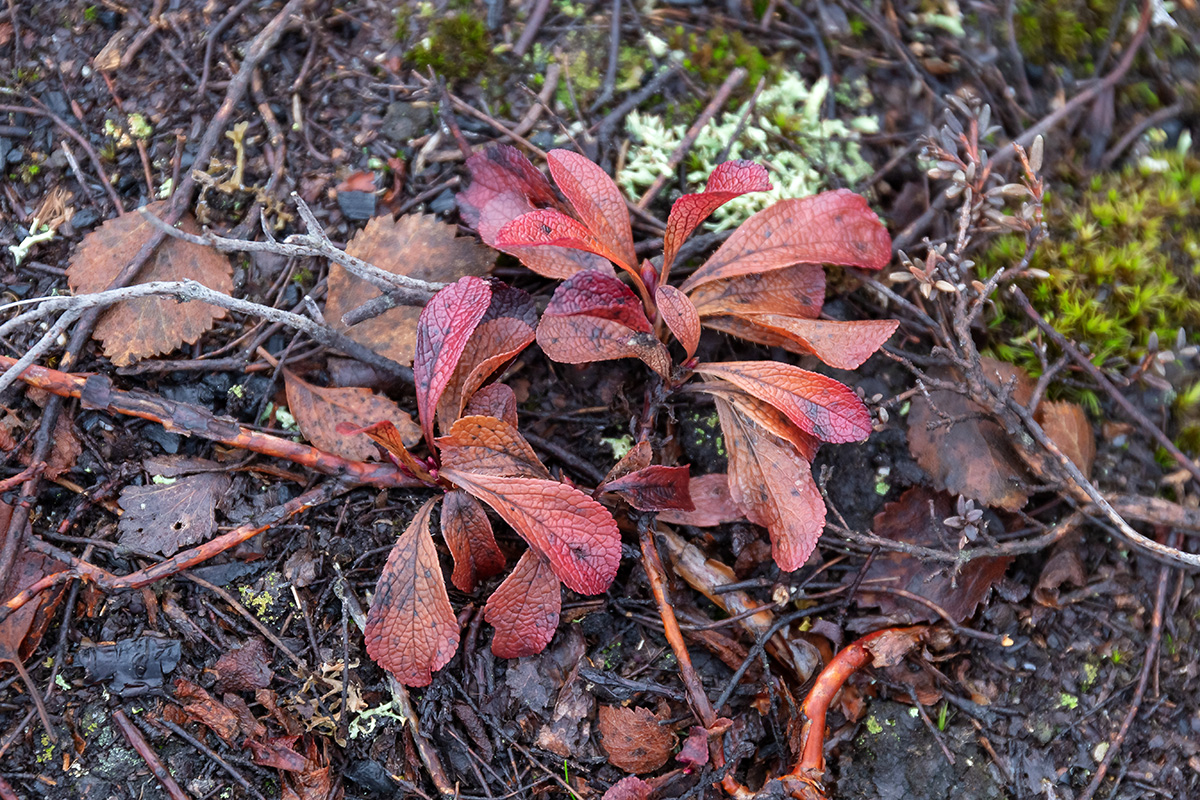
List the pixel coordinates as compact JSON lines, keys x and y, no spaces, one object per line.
{"x":389,"y":437}
{"x":582,"y":339}
{"x":633,"y":738}
{"x":411,"y":629}
{"x":654,"y":488}
{"x":596,"y":200}
{"x":525,"y":608}
{"x":729,"y":180}
{"x":1068,"y":427}
{"x":148,"y":326}
{"x":843,"y":345}
{"x":418,"y":246}
{"x":835,"y":227}
{"x":773,"y":485}
{"x":468,"y":534}
{"x":496,"y":400}
{"x":796,"y":291}
{"x":714,"y":505}
{"x":576,"y":533}
{"x":680,"y":315}
{"x":319,"y":410}
{"x":489,"y":446}
{"x":817,"y":404}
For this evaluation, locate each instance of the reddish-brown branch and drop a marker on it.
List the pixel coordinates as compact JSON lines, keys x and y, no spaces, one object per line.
{"x":97,"y":392}
{"x":143,"y":748}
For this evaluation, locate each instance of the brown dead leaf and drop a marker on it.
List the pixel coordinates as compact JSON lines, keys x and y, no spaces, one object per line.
{"x":22,"y":630}
{"x":633,"y":738}
{"x":246,"y":667}
{"x":202,"y":707}
{"x":319,"y":411}
{"x":163,"y":518}
{"x":65,"y":450}
{"x":918,"y":518}
{"x":1065,"y":566}
{"x":1068,"y":427}
{"x":419,"y":246}
{"x":148,"y":326}
{"x":966,"y":453}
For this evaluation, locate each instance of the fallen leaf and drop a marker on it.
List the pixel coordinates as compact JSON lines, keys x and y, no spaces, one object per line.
{"x":596,"y":200}
{"x":576,"y":533}
{"x":278,"y":752}
{"x":525,"y":608}
{"x":795,"y":291}
{"x":638,"y":457}
{"x":445,"y":327}
{"x":818,"y":405}
{"x":148,"y":326}
{"x":729,"y":180}
{"x":65,"y":450}
{"x":1068,"y":427}
{"x":694,"y":752}
{"x":680,"y":316}
{"x":714,"y":505}
{"x":835,"y":227}
{"x":468,"y":534}
{"x":1064,"y":566}
{"x":918,"y":518}
{"x":654,"y":488}
{"x":319,"y":411}
{"x":164,"y":518}
{"x":489,"y":446}
{"x":962,"y":449}
{"x":244,"y":668}
{"x":205,"y":709}
{"x":22,"y":630}
{"x":633,"y":738}
{"x":411,"y":629}
{"x":358,"y":182}
{"x":631,"y":788}
{"x":417,"y":246}
{"x":773,"y":485}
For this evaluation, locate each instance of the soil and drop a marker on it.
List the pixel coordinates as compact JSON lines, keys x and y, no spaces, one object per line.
{"x":1021,"y":700}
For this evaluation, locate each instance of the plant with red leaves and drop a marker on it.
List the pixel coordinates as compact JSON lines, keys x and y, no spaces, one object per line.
{"x":467,"y":332}
{"x":764,"y":284}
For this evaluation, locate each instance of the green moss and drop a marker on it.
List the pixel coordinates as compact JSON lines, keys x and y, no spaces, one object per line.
{"x":1067,"y":32}
{"x":713,"y":54}
{"x":455,"y":47}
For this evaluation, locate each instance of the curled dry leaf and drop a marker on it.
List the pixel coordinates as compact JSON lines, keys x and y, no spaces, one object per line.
{"x":633,"y":738}
{"x":148,"y":326}
{"x":680,"y":316}
{"x":22,"y":630}
{"x":638,"y":457}
{"x":918,"y":518}
{"x":575,"y":532}
{"x":411,"y":629}
{"x":773,"y":485}
{"x":713,"y":503}
{"x":835,"y":227}
{"x":164,"y":518}
{"x":962,"y":449}
{"x":525,"y":608}
{"x":816,"y":404}
{"x":694,"y":752}
{"x":468,"y":533}
{"x":416,"y":246}
{"x":320,"y":410}
{"x":729,"y":180}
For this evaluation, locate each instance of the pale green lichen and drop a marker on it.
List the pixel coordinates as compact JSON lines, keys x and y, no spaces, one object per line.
{"x":788,"y":111}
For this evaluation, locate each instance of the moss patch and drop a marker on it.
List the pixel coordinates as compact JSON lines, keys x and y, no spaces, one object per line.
{"x":456,"y":46}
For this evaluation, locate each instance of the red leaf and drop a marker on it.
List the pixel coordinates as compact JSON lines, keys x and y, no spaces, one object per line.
{"x":581,"y":339}
{"x":714,"y":505}
{"x":277,"y":752}
{"x":680,"y":315}
{"x":524,"y":609}
{"x":445,"y":326}
{"x":502,"y":177}
{"x":654,"y":488}
{"x":489,"y":446}
{"x":597,"y":202}
{"x":388,"y":436}
{"x":411,"y":628}
{"x":631,"y":788}
{"x":496,"y":400}
{"x":468,"y":534}
{"x":830,"y":228}
{"x":633,"y":738}
{"x":773,"y":484}
{"x":547,"y":227}
{"x":843,"y":345}
{"x":694,"y":752}
{"x":602,"y":296}
{"x":575,"y":532}
{"x":829,"y":410}
{"x":797,"y":291}
{"x":729,"y":180}
{"x":638,"y":457}
{"x":766,"y":416}
{"x":504,"y":331}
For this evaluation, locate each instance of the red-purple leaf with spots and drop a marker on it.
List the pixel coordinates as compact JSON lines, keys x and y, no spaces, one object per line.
{"x":489,"y":446}
{"x":468,"y":534}
{"x":765,"y":416}
{"x":654,"y":488}
{"x":524,"y":609}
{"x":599,"y":295}
{"x":831,"y":228}
{"x":714,"y":505}
{"x":582,"y":339}
{"x":546,"y":227}
{"x":411,"y":629}
{"x":388,"y":436}
{"x":597,"y":202}
{"x":444,"y":328}
{"x":843,"y":345}
{"x":575,"y":532}
{"x":729,"y":180}
{"x":680,"y":315}
{"x":819,"y":405}
{"x":796,"y":291}
{"x":495,"y":400}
